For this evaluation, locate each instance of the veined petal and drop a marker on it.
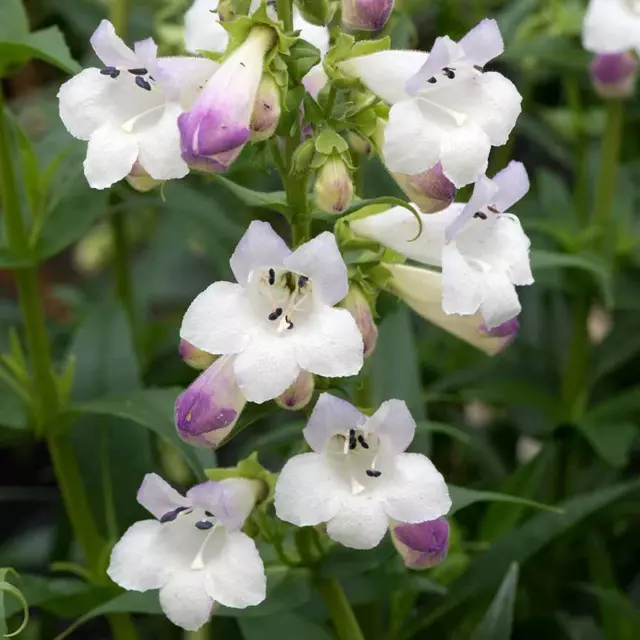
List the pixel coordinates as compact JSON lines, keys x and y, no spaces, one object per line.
{"x":483,"y":43}
{"x":500,"y":301}
{"x":110,"y":48}
{"x":235,"y":576}
{"x":158,"y":497}
{"x":465,"y":154}
{"x":329,"y":344}
{"x":219,"y":320}
{"x":513,"y":184}
{"x":462,"y":290}
{"x":321,"y":261}
{"x":185,"y":601}
{"x":330,"y":416}
{"x":202,"y":28}
{"x":484,"y":193}
{"x":610,"y":27}
{"x":259,"y":248}
{"x":386,"y":72}
{"x":360,"y":524}
{"x":111,"y":154}
{"x":307,"y":492}
{"x":394,"y":422}
{"x":417,"y":491}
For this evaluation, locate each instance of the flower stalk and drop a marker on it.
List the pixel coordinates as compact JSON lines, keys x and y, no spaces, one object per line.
{"x":344,"y":620}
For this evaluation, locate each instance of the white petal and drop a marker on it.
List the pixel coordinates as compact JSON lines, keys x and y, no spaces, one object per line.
{"x":320,"y":260}
{"x":386,"y":72}
{"x":110,"y":48}
{"x":417,"y":491}
{"x":394,"y":422}
{"x":329,"y":344}
{"x":218,"y":320}
{"x":500,"y":300}
{"x":158,"y":497}
{"x":508,"y":246}
{"x":230,"y":500}
{"x":185,"y":601}
{"x":610,"y":27}
{"x":187,"y":75}
{"x":484,"y":192}
{"x":462,"y":289}
{"x":159,"y":147}
{"x":315,"y":80}
{"x":259,"y":248}
{"x":266,"y":367}
{"x":314,"y":34}
{"x":483,"y":43}
{"x":329,"y":417}
{"x":137,"y":560}
{"x":411,"y":141}
{"x":110,"y":156}
{"x":513,"y":184}
{"x":361,"y":522}
{"x":202,"y":28}
{"x":235,"y":574}
{"x":465,"y":154}
{"x":442,"y":54}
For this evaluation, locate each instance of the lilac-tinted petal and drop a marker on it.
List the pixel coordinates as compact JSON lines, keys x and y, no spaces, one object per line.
{"x":159,"y":497}
{"x":483,"y":43}
{"x":259,"y":248}
{"x":421,"y":545}
{"x":110,"y":48}
{"x":440,"y":56}
{"x":484,"y":193}
{"x":299,"y":394}
{"x":231,"y":500}
{"x":330,"y":416}
{"x":513,"y":185}
{"x":394,"y":423}
{"x":186,"y":75}
{"x":508,"y":329}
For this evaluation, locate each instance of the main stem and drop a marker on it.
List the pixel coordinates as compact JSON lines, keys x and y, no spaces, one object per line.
{"x":344,"y":620}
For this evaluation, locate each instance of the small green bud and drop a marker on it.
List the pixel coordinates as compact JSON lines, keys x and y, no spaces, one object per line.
{"x":334,"y":187}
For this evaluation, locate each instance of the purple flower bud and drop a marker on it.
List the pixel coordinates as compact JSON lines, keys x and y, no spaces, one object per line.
{"x":421,"y":545}
{"x":213,"y":402}
{"x":195,"y":357}
{"x":299,"y":394}
{"x":431,"y":190}
{"x":358,"y":306}
{"x":614,"y":75}
{"x":216,"y":128}
{"x":366,"y":15}
{"x":266,"y":111}
{"x":333,"y":187}
{"x":507,"y":330}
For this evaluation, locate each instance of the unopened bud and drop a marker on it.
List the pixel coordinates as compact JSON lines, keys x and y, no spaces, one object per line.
{"x":140,"y":180}
{"x":421,"y":545}
{"x":614,"y":75}
{"x":431,"y":190}
{"x":358,"y":306}
{"x":358,"y":144}
{"x":229,"y":10}
{"x":317,"y":12}
{"x":333,"y":188}
{"x":266,"y":110}
{"x":299,"y":394}
{"x":212,"y":403}
{"x":366,"y":15}
{"x":195,"y":357}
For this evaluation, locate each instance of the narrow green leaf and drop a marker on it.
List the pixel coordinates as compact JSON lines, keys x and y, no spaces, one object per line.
{"x":275,"y":201}
{"x":284,"y":625}
{"x":15,"y":22}
{"x":620,"y":407}
{"x":463,"y":498}
{"x":612,"y":442}
{"x":497,"y":623}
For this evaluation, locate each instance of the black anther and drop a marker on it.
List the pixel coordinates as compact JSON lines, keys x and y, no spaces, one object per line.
{"x":142,"y":83}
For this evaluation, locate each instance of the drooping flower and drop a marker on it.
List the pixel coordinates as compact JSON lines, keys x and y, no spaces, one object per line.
{"x":128,"y":110}
{"x":299,"y":394}
{"x":445,"y":108}
{"x":214,"y":131}
{"x":366,"y":15}
{"x":358,"y":477}
{"x":612,"y":26}
{"x":483,"y":251}
{"x":421,"y":545}
{"x":333,"y":188}
{"x":358,"y":306}
{"x":614,"y":75}
{"x":194,"y":551}
{"x":212,"y":402}
{"x":279,"y":319}
{"x":421,"y":289}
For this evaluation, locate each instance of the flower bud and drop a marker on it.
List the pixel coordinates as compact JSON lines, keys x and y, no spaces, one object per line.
{"x":358,"y":306}
{"x":358,"y":144}
{"x":195,"y":357}
{"x":140,"y":180}
{"x":266,"y":110}
{"x":212,"y":403}
{"x":299,"y":394}
{"x":366,"y":15}
{"x":421,"y":545}
{"x":431,"y":190}
{"x":333,"y":188}
{"x":614,"y":75}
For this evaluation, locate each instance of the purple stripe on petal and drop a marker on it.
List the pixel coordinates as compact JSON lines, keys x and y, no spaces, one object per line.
{"x":507,"y":329}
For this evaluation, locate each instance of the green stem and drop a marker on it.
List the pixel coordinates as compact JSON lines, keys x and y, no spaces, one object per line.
{"x":581,"y":190}
{"x":285,"y":13}
{"x":344,"y":620}
{"x":121,"y":265}
{"x":119,"y":16}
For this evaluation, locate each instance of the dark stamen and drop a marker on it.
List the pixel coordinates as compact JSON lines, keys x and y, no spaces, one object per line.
{"x":477,"y":67}
{"x":208,"y":514}
{"x":432,"y":80}
{"x":302,"y":280}
{"x":204,"y":525}
{"x":482,"y":216}
{"x":289,"y":322}
{"x":363,"y":442}
{"x":170,"y":516}
{"x":142,"y":83}
{"x":272,"y":276}
{"x":112,"y":72}
{"x":352,"y":443}
{"x":492,"y":209}
{"x":138,"y":72}
{"x":276,"y":314}
{"x":450,"y":73}
{"x":373,"y":473}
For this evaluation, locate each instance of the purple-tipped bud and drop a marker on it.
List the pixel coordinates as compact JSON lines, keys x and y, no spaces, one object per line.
{"x":366,"y":15}
{"x":216,"y":128}
{"x":299,"y":394}
{"x":431,"y":190}
{"x":195,"y":357}
{"x":333,"y":188}
{"x":421,"y":545}
{"x":140,"y":180}
{"x":213,"y":402}
{"x":614,"y":75}
{"x":266,"y":111}
{"x":508,"y":331}
{"x":358,"y":306}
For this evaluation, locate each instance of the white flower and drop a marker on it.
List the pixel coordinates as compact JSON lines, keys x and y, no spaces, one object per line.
{"x":444,"y":107}
{"x":279,"y":319}
{"x":194,"y":551}
{"x":202,"y":28}
{"x":483,"y":252}
{"x":358,"y":477}
{"x":128,"y":110}
{"x":612,"y":26}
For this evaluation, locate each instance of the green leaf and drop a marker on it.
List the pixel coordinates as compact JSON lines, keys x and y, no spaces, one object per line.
{"x":284,"y":625}
{"x":624,"y":607}
{"x":15,"y":21}
{"x":462,"y":498}
{"x":617,"y":408}
{"x":7,"y":588}
{"x":303,"y":57}
{"x":342,"y":562}
{"x":329,"y":141}
{"x":497,"y":623}
{"x":275,"y":201}
{"x":439,"y":427}
{"x":612,"y":442}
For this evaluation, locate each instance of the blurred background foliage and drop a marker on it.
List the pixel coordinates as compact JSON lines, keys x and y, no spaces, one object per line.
{"x":553,"y":419}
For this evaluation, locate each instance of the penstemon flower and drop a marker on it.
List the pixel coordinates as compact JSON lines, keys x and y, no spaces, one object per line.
{"x":194,"y":551}
{"x":278,"y":320}
{"x":128,"y":110}
{"x":612,"y":26}
{"x":483,"y":252}
{"x":358,"y":476}
{"x":445,"y":108}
